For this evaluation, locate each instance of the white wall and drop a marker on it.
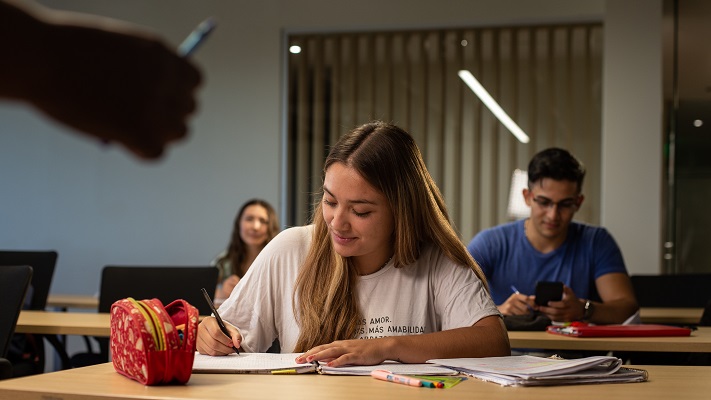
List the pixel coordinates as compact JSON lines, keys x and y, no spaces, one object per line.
{"x":632,"y":137}
{"x":100,"y":206}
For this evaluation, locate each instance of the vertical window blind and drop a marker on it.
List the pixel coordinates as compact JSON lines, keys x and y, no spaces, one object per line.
{"x":547,"y":78}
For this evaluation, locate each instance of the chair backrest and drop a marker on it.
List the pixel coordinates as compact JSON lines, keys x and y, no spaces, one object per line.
{"x":683,"y":290}
{"x":14,"y":281}
{"x":167,"y":283}
{"x":42,"y":263}
{"x":5,"y":369}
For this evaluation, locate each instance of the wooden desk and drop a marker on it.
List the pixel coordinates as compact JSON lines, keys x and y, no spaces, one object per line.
{"x":102,"y":382}
{"x":63,"y":323}
{"x":672,"y":316}
{"x":65,"y":301}
{"x":98,"y":324}
{"x":698,"y":342}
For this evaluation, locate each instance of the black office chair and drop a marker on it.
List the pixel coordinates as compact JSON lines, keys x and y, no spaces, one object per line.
{"x":146,"y":282}
{"x":14,"y":281}
{"x":680,"y":290}
{"x":26,"y":352}
{"x":5,"y":369}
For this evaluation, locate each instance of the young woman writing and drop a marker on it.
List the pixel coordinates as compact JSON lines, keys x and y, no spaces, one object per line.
{"x":379,"y":275}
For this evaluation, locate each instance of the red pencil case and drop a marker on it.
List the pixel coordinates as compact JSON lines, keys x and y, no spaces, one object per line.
{"x":618,"y":330}
{"x":153,"y":344}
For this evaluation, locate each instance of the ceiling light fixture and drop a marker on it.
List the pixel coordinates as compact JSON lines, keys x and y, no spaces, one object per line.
{"x":499,"y":112}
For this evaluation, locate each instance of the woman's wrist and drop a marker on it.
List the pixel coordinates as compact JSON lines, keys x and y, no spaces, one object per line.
{"x":392,"y":348}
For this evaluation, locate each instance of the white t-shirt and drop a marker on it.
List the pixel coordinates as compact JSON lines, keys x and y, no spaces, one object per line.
{"x":430,"y":295}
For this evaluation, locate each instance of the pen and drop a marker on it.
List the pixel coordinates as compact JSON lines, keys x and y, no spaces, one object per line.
{"x":196,"y":37}
{"x":405,"y":380}
{"x":223,"y":328}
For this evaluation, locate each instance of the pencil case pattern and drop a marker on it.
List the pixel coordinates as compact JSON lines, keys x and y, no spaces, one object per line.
{"x":153,"y":344}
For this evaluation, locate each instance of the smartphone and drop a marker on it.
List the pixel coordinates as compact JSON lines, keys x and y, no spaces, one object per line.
{"x":548,"y":291}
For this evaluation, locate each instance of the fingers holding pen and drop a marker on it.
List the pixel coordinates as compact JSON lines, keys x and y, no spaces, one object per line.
{"x":212,"y":341}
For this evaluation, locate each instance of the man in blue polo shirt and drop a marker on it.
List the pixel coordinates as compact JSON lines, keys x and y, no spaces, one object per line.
{"x":549,"y":246}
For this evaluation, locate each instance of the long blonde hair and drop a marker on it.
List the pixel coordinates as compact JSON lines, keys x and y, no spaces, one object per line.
{"x":387,"y":157}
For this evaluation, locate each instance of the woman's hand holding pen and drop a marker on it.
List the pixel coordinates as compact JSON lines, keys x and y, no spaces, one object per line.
{"x":212,"y":341}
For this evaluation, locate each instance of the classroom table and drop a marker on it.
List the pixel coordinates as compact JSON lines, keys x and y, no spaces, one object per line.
{"x":698,"y":342}
{"x":98,"y":324}
{"x":55,"y":325}
{"x":63,"y":323}
{"x":670,"y":315}
{"x":102,"y":382}
{"x":648,"y":315}
{"x":66,"y":301}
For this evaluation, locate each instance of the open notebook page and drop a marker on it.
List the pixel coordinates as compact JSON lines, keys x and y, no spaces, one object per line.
{"x":250,"y":363}
{"x":269,"y":363}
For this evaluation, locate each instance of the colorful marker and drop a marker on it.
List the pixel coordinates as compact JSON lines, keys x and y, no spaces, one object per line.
{"x":390,"y":377}
{"x":431,"y":384}
{"x":405,"y":380}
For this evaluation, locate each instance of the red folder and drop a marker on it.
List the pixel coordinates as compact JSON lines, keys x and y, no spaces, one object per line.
{"x":618,"y":330}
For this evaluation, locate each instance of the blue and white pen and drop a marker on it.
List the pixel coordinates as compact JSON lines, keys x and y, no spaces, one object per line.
{"x":196,"y":37}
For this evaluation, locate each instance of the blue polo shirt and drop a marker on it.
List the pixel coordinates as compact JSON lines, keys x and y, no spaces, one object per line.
{"x":508,"y":258}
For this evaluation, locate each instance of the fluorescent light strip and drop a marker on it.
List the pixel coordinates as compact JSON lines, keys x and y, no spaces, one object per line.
{"x":499,"y":112}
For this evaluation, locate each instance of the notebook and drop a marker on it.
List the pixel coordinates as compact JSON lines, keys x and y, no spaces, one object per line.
{"x":269,"y":363}
{"x":619,"y":330}
{"x":538,"y":371}
{"x":250,"y":363}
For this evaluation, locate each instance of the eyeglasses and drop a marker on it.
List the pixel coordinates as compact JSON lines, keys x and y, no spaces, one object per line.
{"x":566,"y":205}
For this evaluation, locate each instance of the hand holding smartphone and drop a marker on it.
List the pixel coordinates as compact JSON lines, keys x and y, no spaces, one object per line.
{"x":548,"y":291}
